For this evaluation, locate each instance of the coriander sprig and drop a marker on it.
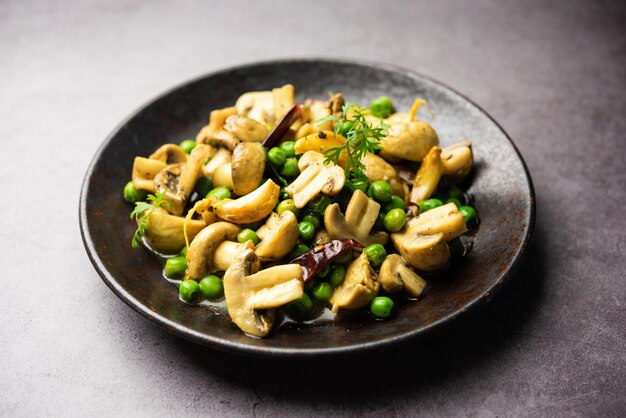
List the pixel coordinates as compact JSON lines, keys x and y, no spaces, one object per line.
{"x":142,"y":212}
{"x":361,"y":138}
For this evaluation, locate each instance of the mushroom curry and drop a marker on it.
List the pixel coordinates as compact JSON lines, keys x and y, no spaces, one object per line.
{"x":282,"y":209}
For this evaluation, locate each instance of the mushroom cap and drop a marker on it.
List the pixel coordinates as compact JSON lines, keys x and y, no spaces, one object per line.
{"x":423,"y":240}
{"x":165,"y":231}
{"x":424,"y":252}
{"x":249,"y":208}
{"x":200,"y":254}
{"x":248,"y":165}
{"x":258,"y":105}
{"x":278,"y":236}
{"x":359,"y":287}
{"x":457,"y":161}
{"x":247,"y":291}
{"x":169,"y":154}
{"x":223,"y":176}
{"x":247,"y":129}
{"x":223,"y":137}
{"x":395,"y":275}
{"x":376,"y":168}
{"x":409,"y":140}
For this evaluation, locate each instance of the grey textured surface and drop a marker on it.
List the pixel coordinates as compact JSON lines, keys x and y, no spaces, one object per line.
{"x":553,"y":74}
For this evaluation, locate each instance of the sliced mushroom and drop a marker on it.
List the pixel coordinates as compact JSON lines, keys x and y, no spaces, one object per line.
{"x":278,"y":236}
{"x":216,"y":121}
{"x":315,"y":177}
{"x":192,"y":170}
{"x":165,"y":232}
{"x":177,"y":181}
{"x":247,"y":167}
{"x":247,"y":129}
{"x":410,"y":141}
{"x":144,"y":172}
{"x":248,"y":291}
{"x":227,"y":251}
{"x":169,"y":154}
{"x":258,"y":105}
{"x":201,"y":252}
{"x":395,"y":276}
{"x":359,"y":287}
{"x":221,"y":156}
{"x":423,"y":241}
{"x":457,"y":161}
{"x":167,"y":182}
{"x":249,"y":208}
{"x":361,"y":214}
{"x":377,"y":168}
{"x":427,"y":177}
{"x":223,"y":176}
{"x":284,"y":97}
{"x":223,"y":137}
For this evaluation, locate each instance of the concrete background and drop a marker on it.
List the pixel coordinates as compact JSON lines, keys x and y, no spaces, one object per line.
{"x":552,"y":73}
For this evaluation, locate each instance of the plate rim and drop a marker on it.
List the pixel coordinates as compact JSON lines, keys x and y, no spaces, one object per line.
{"x":256,"y":351}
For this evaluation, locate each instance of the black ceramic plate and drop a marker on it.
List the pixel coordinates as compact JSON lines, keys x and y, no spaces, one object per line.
{"x":501,"y":186}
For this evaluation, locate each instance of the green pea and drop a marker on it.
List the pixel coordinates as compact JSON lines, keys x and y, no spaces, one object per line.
{"x":380,"y":191}
{"x":344,"y":257}
{"x":396,"y":202}
{"x":306,"y":230}
{"x":298,"y":250}
{"x":313,"y":218}
{"x":336,"y":275}
{"x":429,"y":204}
{"x":454,"y":200}
{"x":132,"y":194}
{"x":382,"y":106}
{"x":188,"y":145}
{"x":175,"y":267}
{"x":248,"y":235}
{"x":289,"y":148}
{"x":204,"y":185}
{"x":381,"y":306}
{"x":322,"y":291}
{"x":469,"y":215}
{"x":455,"y":193}
{"x":376,"y":254}
{"x":323,"y":272}
{"x":183,"y":252}
{"x":344,"y":127}
{"x":394,"y":220}
{"x":211,"y":287}
{"x":221,"y":192}
{"x":283,"y":195}
{"x":319,"y":204}
{"x":287,"y":204}
{"x":189,"y":290}
{"x":254,"y":225}
{"x":290,"y":169}
{"x":277,"y":156}
{"x":300,"y":309}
